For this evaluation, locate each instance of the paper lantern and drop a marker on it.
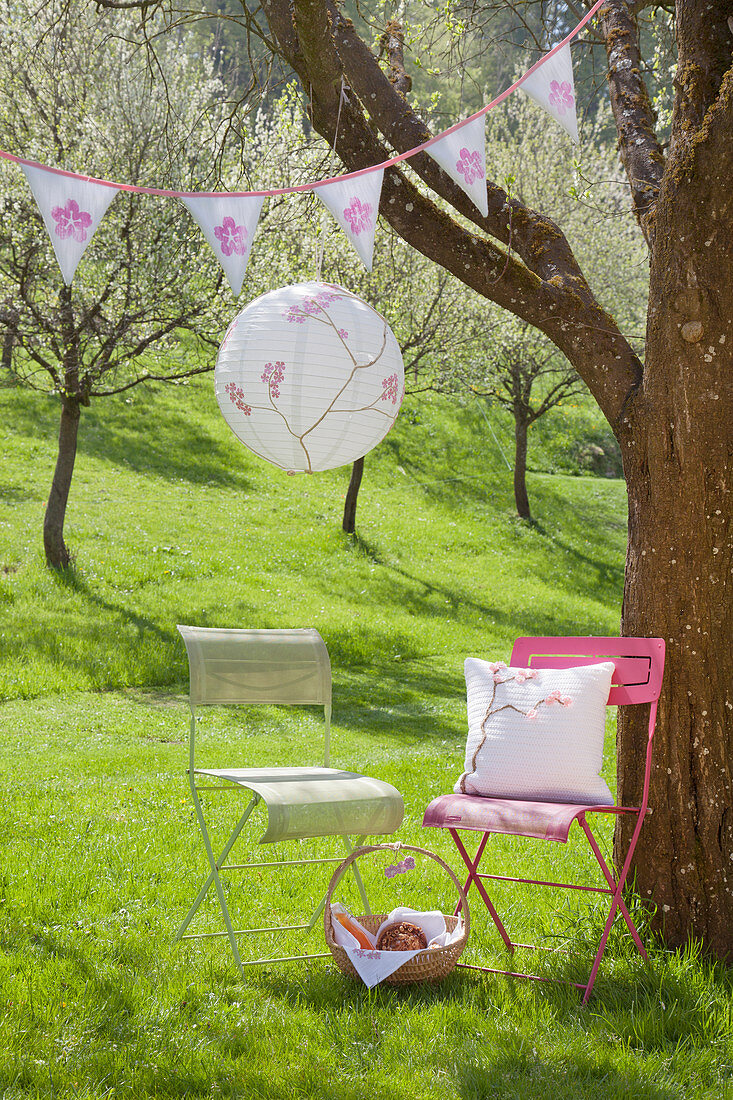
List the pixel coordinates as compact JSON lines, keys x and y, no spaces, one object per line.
{"x":309,"y":377}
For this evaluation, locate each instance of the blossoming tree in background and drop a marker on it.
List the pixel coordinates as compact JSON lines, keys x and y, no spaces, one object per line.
{"x":135,"y":311}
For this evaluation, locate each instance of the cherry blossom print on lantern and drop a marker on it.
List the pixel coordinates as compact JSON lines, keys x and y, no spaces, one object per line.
{"x":229,"y":223}
{"x":462,"y":156}
{"x":309,"y":377}
{"x":354,"y":204}
{"x":71,"y":208}
{"x":552,"y":86}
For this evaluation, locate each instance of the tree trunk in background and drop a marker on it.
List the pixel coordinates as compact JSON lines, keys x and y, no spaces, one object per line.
{"x":520,"y":467}
{"x":677,"y":440}
{"x":349,"y":523}
{"x":57,"y":554}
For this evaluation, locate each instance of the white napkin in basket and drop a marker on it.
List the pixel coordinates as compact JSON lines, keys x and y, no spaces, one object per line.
{"x":374,"y":966}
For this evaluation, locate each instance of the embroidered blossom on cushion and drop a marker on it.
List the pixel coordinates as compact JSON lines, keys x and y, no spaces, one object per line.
{"x":536,"y":733}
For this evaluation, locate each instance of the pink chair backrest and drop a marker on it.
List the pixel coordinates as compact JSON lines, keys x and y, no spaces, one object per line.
{"x":639,"y":662}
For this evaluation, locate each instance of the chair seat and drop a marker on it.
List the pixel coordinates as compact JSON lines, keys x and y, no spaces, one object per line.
{"x":310,"y":802}
{"x":544,"y":820}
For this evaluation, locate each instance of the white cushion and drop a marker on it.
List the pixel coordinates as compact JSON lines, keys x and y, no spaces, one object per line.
{"x":536,"y":734}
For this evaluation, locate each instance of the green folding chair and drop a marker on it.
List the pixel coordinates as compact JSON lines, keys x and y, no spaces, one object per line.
{"x":291,"y":667}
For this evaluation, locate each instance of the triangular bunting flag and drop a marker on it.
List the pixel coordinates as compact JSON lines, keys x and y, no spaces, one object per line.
{"x":462,"y":155}
{"x":72,"y":209}
{"x":354,"y":204}
{"x":552,"y":86}
{"x":229,"y":223}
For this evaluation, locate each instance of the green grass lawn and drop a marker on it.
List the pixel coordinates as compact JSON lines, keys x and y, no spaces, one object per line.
{"x":171,"y":520}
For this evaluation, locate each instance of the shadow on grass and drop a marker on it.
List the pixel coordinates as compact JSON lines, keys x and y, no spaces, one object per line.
{"x":110,"y":432}
{"x":404,"y":589}
{"x":576,"y":1077}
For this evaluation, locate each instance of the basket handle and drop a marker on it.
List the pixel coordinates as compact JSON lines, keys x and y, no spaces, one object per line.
{"x":364,"y":850}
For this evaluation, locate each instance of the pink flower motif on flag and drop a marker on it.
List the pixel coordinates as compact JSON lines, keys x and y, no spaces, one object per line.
{"x":359,"y":215}
{"x":391,"y":389}
{"x":236,"y":396}
{"x":470,"y":166}
{"x":272,"y":376}
{"x":231,"y":237}
{"x":71,"y":221}
{"x":561,"y":96}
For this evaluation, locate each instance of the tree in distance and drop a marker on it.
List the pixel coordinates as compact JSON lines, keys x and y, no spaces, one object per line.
{"x":144,"y":303}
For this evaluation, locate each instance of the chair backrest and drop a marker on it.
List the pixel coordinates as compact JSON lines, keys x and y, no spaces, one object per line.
{"x":257,"y":666}
{"x":639,"y":662}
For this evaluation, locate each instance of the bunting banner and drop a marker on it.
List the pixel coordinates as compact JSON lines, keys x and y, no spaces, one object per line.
{"x":461,"y":154}
{"x":552,"y":86}
{"x":71,"y":208}
{"x":354,"y":204}
{"x":229,"y":224}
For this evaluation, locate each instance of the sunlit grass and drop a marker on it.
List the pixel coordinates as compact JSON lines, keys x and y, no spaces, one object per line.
{"x":172,"y":521}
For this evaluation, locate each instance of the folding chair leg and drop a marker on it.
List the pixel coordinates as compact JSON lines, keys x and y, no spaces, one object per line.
{"x":215,"y":872}
{"x":617,"y":902}
{"x":473,"y":877}
{"x":322,"y":903}
{"x":207,"y":885}
{"x":473,"y":865}
{"x":614,"y":886}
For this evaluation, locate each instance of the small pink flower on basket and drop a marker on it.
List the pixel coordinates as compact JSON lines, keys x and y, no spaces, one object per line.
{"x":470,"y":166}
{"x":71,"y":221}
{"x":359,"y":215}
{"x":231,"y":237}
{"x":407,"y":864}
{"x":561,"y":96}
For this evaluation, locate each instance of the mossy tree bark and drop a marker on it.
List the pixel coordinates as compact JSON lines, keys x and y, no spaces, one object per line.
{"x":671,"y":415}
{"x":677,"y":440}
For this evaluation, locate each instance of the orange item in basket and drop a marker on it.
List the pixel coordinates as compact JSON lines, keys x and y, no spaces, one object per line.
{"x":345,"y":919}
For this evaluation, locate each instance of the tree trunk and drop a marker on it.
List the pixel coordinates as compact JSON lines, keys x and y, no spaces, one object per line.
{"x":349,"y":523}
{"x":57,"y":554}
{"x":520,"y":467}
{"x":677,"y":440}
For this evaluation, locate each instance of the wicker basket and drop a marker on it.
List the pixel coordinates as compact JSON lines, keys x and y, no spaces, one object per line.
{"x":427,"y":966}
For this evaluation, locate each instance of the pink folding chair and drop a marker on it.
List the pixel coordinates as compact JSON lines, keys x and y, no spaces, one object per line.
{"x":639,"y":665}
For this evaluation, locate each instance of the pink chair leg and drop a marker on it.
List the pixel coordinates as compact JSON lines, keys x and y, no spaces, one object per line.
{"x":473,"y":864}
{"x":614,"y":886}
{"x":473,"y":877}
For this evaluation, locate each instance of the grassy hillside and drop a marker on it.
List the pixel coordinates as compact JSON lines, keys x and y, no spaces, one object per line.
{"x":172,"y":520}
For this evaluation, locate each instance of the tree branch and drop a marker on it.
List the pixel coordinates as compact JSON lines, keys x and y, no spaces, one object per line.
{"x":539,"y":282}
{"x":641,"y":153}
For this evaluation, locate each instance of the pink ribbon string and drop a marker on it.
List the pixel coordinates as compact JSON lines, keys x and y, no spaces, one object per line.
{"x":397,"y":159}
